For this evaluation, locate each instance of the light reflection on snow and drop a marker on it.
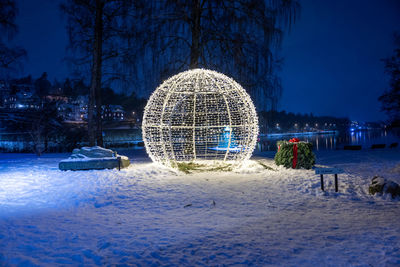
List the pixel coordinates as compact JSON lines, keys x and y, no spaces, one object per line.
{"x":31,"y":186}
{"x":29,"y":183}
{"x":36,"y":190}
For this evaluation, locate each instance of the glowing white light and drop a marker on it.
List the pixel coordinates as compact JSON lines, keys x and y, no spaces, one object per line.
{"x":199,"y":115}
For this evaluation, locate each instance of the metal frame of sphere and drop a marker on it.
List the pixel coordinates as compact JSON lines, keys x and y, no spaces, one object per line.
{"x":199,"y":115}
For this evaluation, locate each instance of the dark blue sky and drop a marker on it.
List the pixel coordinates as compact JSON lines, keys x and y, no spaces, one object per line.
{"x":332,"y":54}
{"x":42,"y":33}
{"x":333,"y":57}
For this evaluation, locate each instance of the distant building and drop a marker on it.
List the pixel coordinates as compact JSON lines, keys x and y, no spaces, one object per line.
{"x":23,"y":94}
{"x":23,"y":101}
{"x":57,"y":94}
{"x":20,"y":95}
{"x":57,"y":98}
{"x":4,"y":93}
{"x":76,"y":110}
{"x":113,"y":113}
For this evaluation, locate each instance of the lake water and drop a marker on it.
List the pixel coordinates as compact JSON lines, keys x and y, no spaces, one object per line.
{"x":330,"y":141}
{"x":336,"y":140}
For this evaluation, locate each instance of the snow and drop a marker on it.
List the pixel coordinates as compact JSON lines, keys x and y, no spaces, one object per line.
{"x":147,"y":214}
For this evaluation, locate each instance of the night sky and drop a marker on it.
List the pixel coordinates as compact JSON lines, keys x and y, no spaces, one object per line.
{"x":332,"y":54}
{"x":42,"y":33}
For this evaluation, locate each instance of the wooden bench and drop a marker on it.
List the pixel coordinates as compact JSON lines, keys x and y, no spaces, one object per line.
{"x":352,"y":147}
{"x":378,"y":146}
{"x":393,"y":145}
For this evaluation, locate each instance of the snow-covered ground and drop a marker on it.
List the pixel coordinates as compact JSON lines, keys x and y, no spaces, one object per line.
{"x":148,"y":215}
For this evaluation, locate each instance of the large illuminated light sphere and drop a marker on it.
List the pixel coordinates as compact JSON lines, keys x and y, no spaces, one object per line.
{"x":199,"y":115}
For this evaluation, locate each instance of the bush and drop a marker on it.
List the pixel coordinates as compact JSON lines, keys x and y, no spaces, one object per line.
{"x":305,"y":156}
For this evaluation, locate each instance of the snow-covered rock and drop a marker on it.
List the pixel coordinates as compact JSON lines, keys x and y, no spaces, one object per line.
{"x":92,"y":152}
{"x":382,"y":186}
{"x":93,"y":158}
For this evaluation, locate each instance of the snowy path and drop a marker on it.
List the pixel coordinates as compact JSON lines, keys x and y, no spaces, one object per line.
{"x":138,"y":215}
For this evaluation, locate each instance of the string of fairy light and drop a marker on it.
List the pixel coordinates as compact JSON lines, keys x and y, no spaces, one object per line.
{"x":197,"y":115}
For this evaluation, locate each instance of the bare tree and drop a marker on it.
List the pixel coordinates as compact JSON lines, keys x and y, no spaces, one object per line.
{"x":44,"y":125}
{"x":390,"y":100}
{"x":96,"y":29}
{"x":236,"y":37}
{"x":138,"y":43}
{"x":41,"y":125}
{"x":10,"y":56}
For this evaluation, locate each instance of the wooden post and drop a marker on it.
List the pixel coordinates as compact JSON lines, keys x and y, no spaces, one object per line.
{"x":336,"y":183}
{"x":119,"y":163}
{"x":322,"y":182}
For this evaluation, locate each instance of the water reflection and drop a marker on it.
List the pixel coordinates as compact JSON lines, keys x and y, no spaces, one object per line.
{"x":335,"y":140}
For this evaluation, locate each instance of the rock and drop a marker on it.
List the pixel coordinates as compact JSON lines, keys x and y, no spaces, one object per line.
{"x":392,"y":188}
{"x":380,"y":185}
{"x":93,"y":158}
{"x":376,"y":185}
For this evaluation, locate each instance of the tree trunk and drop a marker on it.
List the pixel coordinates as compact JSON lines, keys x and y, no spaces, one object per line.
{"x":195,"y":28}
{"x":91,"y":107}
{"x":94,"y":112}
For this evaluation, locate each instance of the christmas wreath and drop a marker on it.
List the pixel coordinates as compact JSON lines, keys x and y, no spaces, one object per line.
{"x":295,"y":154}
